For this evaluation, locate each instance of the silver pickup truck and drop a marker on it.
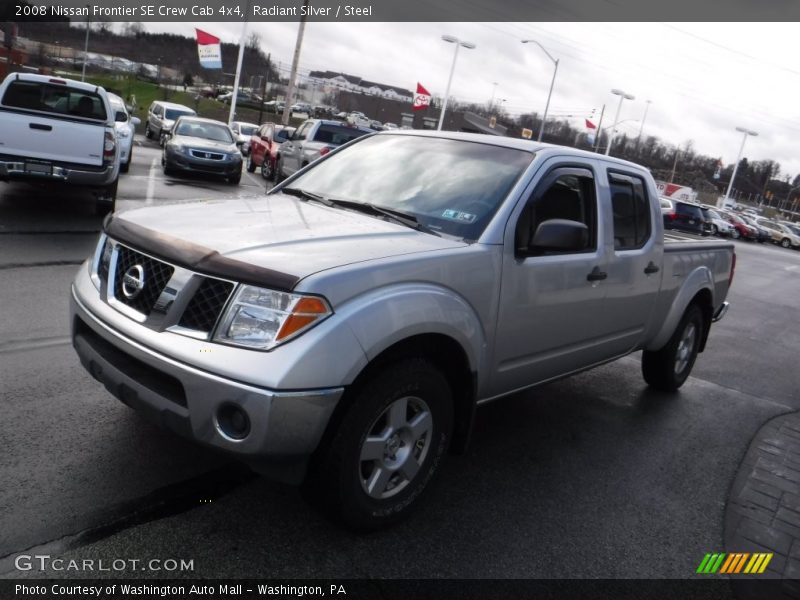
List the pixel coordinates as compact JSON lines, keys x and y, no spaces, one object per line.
{"x":341,"y":330}
{"x":56,"y":130}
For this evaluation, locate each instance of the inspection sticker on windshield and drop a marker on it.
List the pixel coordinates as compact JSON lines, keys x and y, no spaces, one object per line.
{"x":457,"y":215}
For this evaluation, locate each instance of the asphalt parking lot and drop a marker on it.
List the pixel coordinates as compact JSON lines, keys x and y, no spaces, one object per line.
{"x":594,"y":476}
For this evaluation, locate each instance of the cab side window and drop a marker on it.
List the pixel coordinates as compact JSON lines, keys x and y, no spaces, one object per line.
{"x":631,"y":210}
{"x":564,"y":193}
{"x":302,"y":133}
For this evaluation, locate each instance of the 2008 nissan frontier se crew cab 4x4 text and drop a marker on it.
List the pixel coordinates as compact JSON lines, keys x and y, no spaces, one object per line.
{"x":341,"y":330}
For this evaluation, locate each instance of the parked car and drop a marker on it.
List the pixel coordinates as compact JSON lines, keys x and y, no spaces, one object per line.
{"x":161,"y":117}
{"x":376,"y":125}
{"x":302,"y":107}
{"x":741,"y":229}
{"x":781,"y":234}
{"x":265,"y":145}
{"x":274,"y":106}
{"x":314,"y":138}
{"x":125,"y":126}
{"x":683,"y":216}
{"x":343,"y":332}
{"x":198,"y":145}
{"x":762,"y":233}
{"x":390,"y":126}
{"x":358,"y":119}
{"x":717,"y":224}
{"x":59,"y":131}
{"x":243,"y":132}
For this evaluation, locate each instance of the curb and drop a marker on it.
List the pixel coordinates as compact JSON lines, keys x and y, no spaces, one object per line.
{"x":763,"y":510}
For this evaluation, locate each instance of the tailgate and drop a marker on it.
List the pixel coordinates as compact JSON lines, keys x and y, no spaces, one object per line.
{"x":51,"y":138}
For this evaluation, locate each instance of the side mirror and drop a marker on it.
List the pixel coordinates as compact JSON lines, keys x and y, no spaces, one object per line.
{"x":239,"y":143}
{"x":136,"y":121}
{"x":120,"y":116}
{"x":560,"y":235}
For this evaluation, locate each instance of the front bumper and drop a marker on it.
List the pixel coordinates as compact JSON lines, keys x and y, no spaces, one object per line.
{"x":184,"y":162}
{"x":15,"y":168}
{"x":284,"y":429}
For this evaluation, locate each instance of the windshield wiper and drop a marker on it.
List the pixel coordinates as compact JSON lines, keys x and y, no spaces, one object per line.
{"x":397,"y":216}
{"x":306,"y":195}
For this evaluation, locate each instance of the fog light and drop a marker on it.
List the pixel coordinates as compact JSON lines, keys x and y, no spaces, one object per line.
{"x":233,"y":422}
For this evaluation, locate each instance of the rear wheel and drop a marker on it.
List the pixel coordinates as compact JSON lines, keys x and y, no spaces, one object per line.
{"x":106,"y":200}
{"x":251,"y":166}
{"x":387,"y":446}
{"x":785,"y":242}
{"x":667,"y":369}
{"x":268,"y":169}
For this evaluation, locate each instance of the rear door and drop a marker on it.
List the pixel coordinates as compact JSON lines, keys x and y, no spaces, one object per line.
{"x":53,"y":122}
{"x":634,"y":267}
{"x":291,"y":150}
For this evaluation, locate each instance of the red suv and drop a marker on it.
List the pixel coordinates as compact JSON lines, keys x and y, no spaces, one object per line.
{"x":264,"y":144}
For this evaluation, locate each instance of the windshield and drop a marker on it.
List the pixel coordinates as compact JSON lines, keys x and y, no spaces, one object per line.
{"x":174,"y":113}
{"x":450,"y":186}
{"x":209,"y":131}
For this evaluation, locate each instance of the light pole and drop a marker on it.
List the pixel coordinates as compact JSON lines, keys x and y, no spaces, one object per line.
{"x":469,"y":46}
{"x":641,"y":127}
{"x":552,"y":83}
{"x":745,"y":133}
{"x":86,"y":44}
{"x":622,"y":96}
{"x":494,"y":91}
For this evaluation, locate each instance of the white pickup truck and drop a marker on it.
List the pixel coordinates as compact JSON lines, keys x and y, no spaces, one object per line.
{"x":343,"y":328}
{"x":60,"y":131}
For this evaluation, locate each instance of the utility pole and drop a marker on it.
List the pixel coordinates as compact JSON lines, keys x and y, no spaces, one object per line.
{"x":675,"y":164}
{"x":287,"y":109}
{"x":599,"y":129}
{"x":86,"y":43}
{"x":264,"y":91}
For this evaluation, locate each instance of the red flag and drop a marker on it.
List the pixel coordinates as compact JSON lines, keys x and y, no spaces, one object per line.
{"x":204,"y":38}
{"x":422,"y":98}
{"x":590,"y":125}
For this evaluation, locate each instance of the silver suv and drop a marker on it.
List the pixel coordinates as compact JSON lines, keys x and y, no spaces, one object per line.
{"x":161,"y":117}
{"x":314,"y":138}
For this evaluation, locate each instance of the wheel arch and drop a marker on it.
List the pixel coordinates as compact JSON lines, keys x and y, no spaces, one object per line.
{"x":697,"y":289}
{"x":447,"y":355}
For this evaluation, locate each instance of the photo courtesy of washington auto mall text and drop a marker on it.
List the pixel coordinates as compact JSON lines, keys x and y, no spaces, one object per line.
{"x":384,"y":299}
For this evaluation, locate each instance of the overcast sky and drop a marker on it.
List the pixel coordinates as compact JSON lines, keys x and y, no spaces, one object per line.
{"x":704,"y":79}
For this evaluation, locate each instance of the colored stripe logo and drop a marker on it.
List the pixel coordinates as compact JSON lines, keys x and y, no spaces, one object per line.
{"x":734,"y":563}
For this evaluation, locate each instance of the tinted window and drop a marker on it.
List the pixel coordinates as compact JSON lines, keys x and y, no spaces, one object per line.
{"x":570,"y":196}
{"x":631,"y":210}
{"x":32,"y":95}
{"x":336,"y":135}
{"x":284,"y":134}
{"x":688,"y":210}
{"x":450,"y":186}
{"x":174,"y":113}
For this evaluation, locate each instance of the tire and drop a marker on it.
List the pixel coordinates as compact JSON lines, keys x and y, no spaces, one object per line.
{"x":714,"y":230}
{"x":147,"y":133}
{"x":251,"y":166}
{"x":106,"y":201}
{"x":268,"y":169}
{"x":162,"y":139}
{"x":279,"y":176}
{"x":386,"y":448}
{"x":785,"y":243}
{"x":667,"y":369}
{"x":168,"y":170}
{"x":735,"y":233}
{"x":235,"y":179}
{"x":126,"y":166}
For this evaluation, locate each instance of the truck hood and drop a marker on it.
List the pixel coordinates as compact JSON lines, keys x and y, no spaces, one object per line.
{"x":276,"y":232}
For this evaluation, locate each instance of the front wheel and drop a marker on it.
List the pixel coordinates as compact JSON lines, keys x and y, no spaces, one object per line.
{"x":667,"y":369}
{"x":387,"y":447}
{"x":268,"y":169}
{"x":735,"y":233}
{"x":785,"y":242}
{"x":714,"y":230}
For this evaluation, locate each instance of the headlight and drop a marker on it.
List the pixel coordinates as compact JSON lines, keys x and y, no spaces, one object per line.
{"x":262,"y":318}
{"x":101,"y":261}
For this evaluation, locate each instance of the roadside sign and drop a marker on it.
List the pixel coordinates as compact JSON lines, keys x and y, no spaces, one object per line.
{"x":527,"y":133}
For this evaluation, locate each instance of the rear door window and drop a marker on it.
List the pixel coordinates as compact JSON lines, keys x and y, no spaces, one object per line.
{"x":336,"y":135}
{"x":55,"y":99}
{"x":631,"y":210}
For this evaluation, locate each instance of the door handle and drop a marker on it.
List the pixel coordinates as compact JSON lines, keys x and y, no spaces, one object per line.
{"x":596,"y":275}
{"x":40,"y":126}
{"x":651,"y":268}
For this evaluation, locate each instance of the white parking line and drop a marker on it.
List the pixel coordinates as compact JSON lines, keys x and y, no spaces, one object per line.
{"x":151,"y":181}
{"x":258,"y":181}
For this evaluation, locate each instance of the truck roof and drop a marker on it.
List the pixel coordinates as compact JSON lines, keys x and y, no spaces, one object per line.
{"x":80,"y":85}
{"x":514,"y":143}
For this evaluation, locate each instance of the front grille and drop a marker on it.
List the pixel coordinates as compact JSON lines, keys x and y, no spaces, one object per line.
{"x":156,"y":275}
{"x":206,"y":305}
{"x":207,"y":155}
